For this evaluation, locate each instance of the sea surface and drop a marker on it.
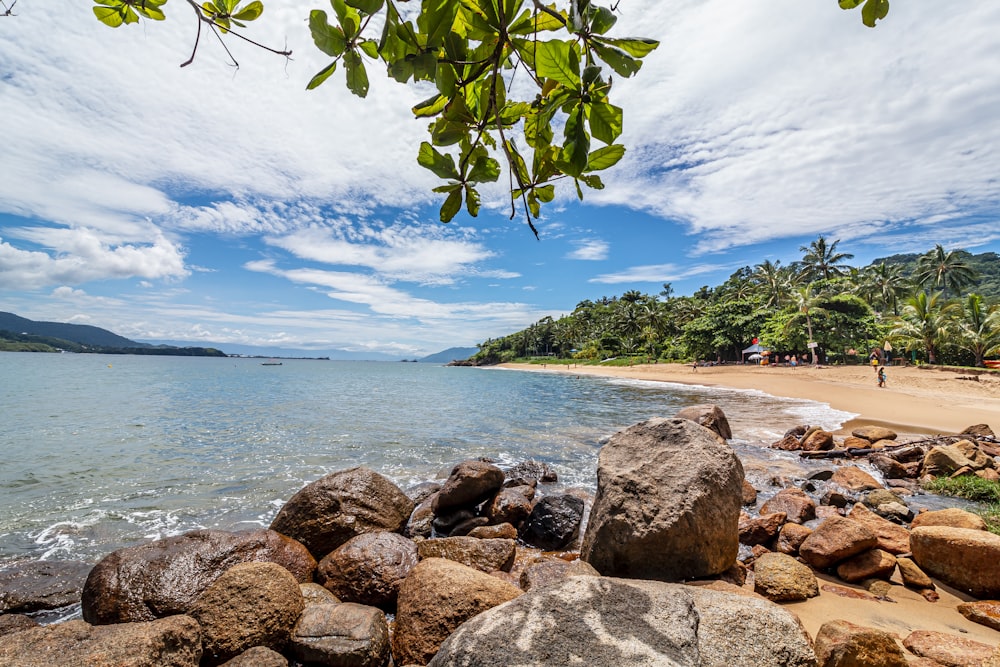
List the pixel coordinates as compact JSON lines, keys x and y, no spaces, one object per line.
{"x":104,"y":451}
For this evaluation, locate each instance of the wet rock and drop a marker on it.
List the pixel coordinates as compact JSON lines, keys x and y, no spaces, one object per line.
{"x":333,"y":509}
{"x":984,"y":612}
{"x":749,"y":494}
{"x":818,"y":441}
{"x":258,"y":656}
{"x":465,"y":527}
{"x":845,"y":644}
{"x":164,"y":577}
{"x":891,"y":536}
{"x":369,"y":568}
{"x":667,"y":505}
{"x":789,"y":443}
{"x":446,"y":522}
{"x":953,"y":517}
{"x":889,"y":467}
{"x":421,"y":492}
{"x":874,"y":433}
{"x":10,"y":623}
{"x":968,"y":560}
{"x":912,"y":575}
{"x":797,"y":506}
{"x":834,"y":540}
{"x":759,"y":530}
{"x":791,"y":537}
{"x":421,"y":522}
{"x":41,"y":585}
{"x":855,"y":479}
{"x":873,"y":564}
{"x":510,"y":505}
{"x":895,"y":512}
{"x":345,"y":634}
{"x":470,"y":483}
{"x":878,"y":497}
{"x":947,"y":649}
{"x":533,"y":470}
{"x":710,"y":416}
{"x":554,"y":522}
{"x":503,"y":531}
{"x":251,"y":604}
{"x":483,"y":555}
{"x":780,"y":577}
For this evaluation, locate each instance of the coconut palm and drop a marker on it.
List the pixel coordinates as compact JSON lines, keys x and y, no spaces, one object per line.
{"x":979,"y":328}
{"x":806,"y":300}
{"x":820,"y":260}
{"x":944,"y":270}
{"x":924,"y":322}
{"x":886,"y":284}
{"x":773,"y":278}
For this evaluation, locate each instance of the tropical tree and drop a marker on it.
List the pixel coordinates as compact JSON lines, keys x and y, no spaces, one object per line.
{"x":774,"y":280}
{"x":884,"y":284}
{"x":924,"y":323}
{"x":820,"y":260}
{"x":979,"y":328}
{"x":805,"y":301}
{"x":944,"y":270}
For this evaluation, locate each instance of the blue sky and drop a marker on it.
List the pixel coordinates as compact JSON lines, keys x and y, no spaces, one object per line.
{"x":229,"y":207}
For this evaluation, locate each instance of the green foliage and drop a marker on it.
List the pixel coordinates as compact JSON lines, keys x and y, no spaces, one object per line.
{"x":976,"y":489}
{"x":115,"y":13}
{"x":227,"y":13}
{"x":871,"y":11}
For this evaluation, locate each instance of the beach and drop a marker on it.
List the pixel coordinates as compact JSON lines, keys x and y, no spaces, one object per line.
{"x":915,"y":400}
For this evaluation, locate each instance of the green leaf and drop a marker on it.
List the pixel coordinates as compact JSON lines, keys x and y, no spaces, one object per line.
{"x":436,"y":18}
{"x":432,"y":106}
{"x":322,"y":75}
{"x":575,"y":152}
{"x":370,"y":48}
{"x":329,"y":39}
{"x":109,"y":16}
{"x":357,"y":76}
{"x":850,"y":4}
{"x":151,"y":10}
{"x":368,"y":7}
{"x":558,"y":60}
{"x":638,"y":47}
{"x":250,"y":12}
{"x":874,"y":10}
{"x":443,"y":166}
{"x":350,"y":20}
{"x":447,"y":132}
{"x":545,"y":193}
{"x":605,"y":121}
{"x":605,"y":157}
{"x":471,"y":200}
{"x":593,"y":181}
{"x":451,"y":205}
{"x":618,"y":60}
{"x":529,"y":22}
{"x":602,"y":20}
{"x":486,"y":170}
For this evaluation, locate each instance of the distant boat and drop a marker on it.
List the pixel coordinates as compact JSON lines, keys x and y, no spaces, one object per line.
{"x":270,"y":363}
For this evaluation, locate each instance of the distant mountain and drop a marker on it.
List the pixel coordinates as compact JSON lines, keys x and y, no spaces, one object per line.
{"x":451,"y":354}
{"x":84,"y":334}
{"x":286,"y":352}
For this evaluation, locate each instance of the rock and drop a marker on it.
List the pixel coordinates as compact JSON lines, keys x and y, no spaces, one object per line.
{"x":749,"y":494}
{"x":979,"y":431}
{"x":41,"y":585}
{"x":943,"y":460}
{"x":791,"y":537}
{"x":351,"y":635}
{"x":891,"y":537}
{"x":834,"y":540}
{"x":503,"y":531}
{"x":164,"y":577}
{"x":437,"y":597}
{"x":510,"y":505}
{"x":854,"y":442}
{"x":608,"y":621}
{"x":710,"y":416}
{"x":974,"y":454}
{"x":761,"y":529}
{"x":483,"y":555}
{"x":554,"y":571}
{"x":316,"y":594}
{"x":874,"y":433}
{"x":824,"y":512}
{"x":789,"y":443}
{"x":251,"y":604}
{"x":797,"y":506}
{"x":818,"y":441}
{"x":968,"y":560}
{"x":953,"y":517}
{"x":167,"y":642}
{"x":333,"y":509}
{"x":418,"y":493}
{"x":834,"y":498}
{"x":845,"y":644}
{"x":258,"y":656}
{"x":368,"y":568}
{"x":445,"y":523}
{"x":470,"y":483}
{"x":879,"y":496}
{"x":469,"y":525}
{"x":780,"y":577}
{"x":554,"y":522}
{"x":421,"y":519}
{"x":989,"y":474}
{"x":889,"y":467}
{"x":895,"y":512}
{"x":854,"y":479}
{"x":949,"y":650}
{"x":912,"y":575}
{"x":532,"y":470}
{"x":872,"y":564}
{"x":10,"y":623}
{"x":667,"y":505}
{"x":984,"y":612}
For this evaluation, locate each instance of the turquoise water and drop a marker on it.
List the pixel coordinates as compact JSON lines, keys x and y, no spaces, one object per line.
{"x":101,"y":451}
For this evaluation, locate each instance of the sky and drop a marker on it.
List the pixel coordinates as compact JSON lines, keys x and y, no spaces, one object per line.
{"x":231,"y":207}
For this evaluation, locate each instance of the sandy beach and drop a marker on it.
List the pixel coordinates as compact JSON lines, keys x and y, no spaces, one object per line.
{"x":914,"y":401}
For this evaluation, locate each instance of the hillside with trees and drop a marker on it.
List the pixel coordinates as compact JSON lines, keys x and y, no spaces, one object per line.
{"x":939,"y":307}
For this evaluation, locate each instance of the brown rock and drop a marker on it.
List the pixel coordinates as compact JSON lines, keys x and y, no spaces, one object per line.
{"x":710,"y":416}
{"x":912,"y":575}
{"x":759,"y":530}
{"x":553,"y":571}
{"x":979,"y":431}
{"x":531,"y":472}
{"x":967,"y":559}
{"x":502,"y":531}
{"x":834,"y":540}
{"x":972,"y":452}
{"x":855,"y":479}
{"x":251,"y":604}
{"x":854,"y":442}
{"x":164,"y":577}
{"x":749,"y":494}
{"x":791,"y":537}
{"x":789,"y":443}
{"x":343,"y":634}
{"x":949,"y":650}
{"x":333,"y":509}
{"x":943,"y":460}
{"x":873,"y":564}
{"x":845,"y":644}
{"x":258,"y":656}
{"x":889,"y":467}
{"x":470,"y":483}
{"x":167,"y":642}
{"x":952,"y":517}
{"x":984,"y":612}
{"x":510,"y":505}
{"x":437,"y":597}
{"x":874,"y":433}
{"x":368,"y":568}
{"x":891,"y":536}
{"x":882,"y":444}
{"x":818,"y":441}
{"x":421,"y":519}
{"x":41,"y":585}
{"x":483,"y":555}
{"x":797,"y":506}
{"x":316,"y":594}
{"x":989,"y":474}
{"x":780,"y":577}
{"x":11,"y":623}
{"x":824,"y":512}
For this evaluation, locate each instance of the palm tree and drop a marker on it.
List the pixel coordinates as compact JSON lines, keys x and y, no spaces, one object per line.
{"x":820,"y":260}
{"x":805,"y":300}
{"x":886,"y":284}
{"x":979,"y":328}
{"x":945,"y":270}
{"x":774,"y":279}
{"x":925,"y":322}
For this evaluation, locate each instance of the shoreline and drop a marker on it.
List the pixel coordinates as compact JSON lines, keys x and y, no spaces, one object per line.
{"x":917,"y":401}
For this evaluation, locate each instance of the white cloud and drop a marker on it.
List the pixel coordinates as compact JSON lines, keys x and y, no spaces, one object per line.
{"x":590,"y":250}
{"x":655,"y":273}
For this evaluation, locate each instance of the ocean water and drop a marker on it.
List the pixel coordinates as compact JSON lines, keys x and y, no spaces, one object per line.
{"x":100,"y":452}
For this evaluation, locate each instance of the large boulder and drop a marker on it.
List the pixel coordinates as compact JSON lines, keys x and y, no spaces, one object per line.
{"x":470,"y":483}
{"x":368,"y":568}
{"x":41,"y":585}
{"x":168,"y":642}
{"x":834,"y":540}
{"x":952,"y":517}
{"x":607,"y":621}
{"x":346,"y":634}
{"x":948,"y":649}
{"x":874,"y":433}
{"x":795,"y":503}
{"x":485,"y":555}
{"x":667,"y":505}
{"x":872,"y":564}
{"x":437,"y":597}
{"x":845,"y":644}
{"x":333,"y":509}
{"x":554,"y":522}
{"x":251,"y":604}
{"x":710,"y":416}
{"x":258,"y":656}
{"x":164,"y":577}
{"x":781,"y":578}
{"x":511,"y":505}
{"x":854,"y":479}
{"x":891,"y":536}
{"x":944,"y":460}
{"x":967,"y":559}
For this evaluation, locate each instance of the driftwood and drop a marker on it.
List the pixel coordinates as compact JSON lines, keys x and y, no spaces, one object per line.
{"x":936,"y":440}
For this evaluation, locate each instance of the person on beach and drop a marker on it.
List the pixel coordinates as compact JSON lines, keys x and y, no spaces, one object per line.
{"x":694,"y":366}
{"x":881,"y":376}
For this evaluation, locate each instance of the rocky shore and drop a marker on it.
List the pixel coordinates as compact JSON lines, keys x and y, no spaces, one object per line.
{"x":675,"y":560}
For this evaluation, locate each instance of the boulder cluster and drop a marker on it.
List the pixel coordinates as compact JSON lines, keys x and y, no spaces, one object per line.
{"x":679,"y":562}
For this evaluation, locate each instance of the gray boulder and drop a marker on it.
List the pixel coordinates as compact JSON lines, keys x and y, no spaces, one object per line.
{"x":42,"y":585}
{"x":710,"y":416}
{"x":349,"y":635}
{"x":554,"y":522}
{"x":667,"y":505}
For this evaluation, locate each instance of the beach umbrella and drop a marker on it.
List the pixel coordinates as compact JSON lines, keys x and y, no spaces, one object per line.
{"x":754,"y":357}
